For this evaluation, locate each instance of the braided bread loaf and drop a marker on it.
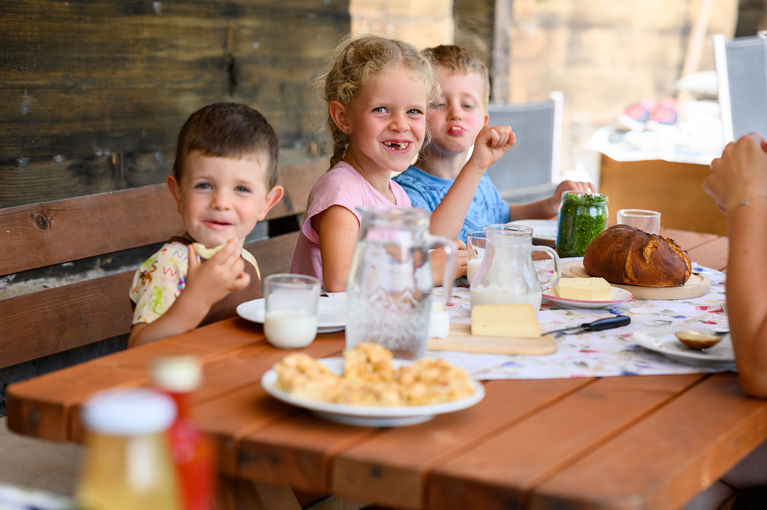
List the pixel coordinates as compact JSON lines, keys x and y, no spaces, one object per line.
{"x":626,"y":255}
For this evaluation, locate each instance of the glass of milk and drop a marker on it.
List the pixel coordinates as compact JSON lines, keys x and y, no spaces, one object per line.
{"x":290,"y":313}
{"x":475,"y":246}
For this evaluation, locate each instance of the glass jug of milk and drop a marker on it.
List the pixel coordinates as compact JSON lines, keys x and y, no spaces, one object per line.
{"x":506,"y":274}
{"x":390,"y":282}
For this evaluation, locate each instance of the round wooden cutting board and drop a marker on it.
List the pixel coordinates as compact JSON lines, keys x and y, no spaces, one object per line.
{"x":697,"y":285}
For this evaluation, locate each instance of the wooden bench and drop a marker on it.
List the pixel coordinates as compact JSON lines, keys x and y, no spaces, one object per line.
{"x":108,"y":235}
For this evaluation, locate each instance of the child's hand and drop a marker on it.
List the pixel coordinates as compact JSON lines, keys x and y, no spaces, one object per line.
{"x":492,"y":142}
{"x":439,"y":259}
{"x":214,"y":279}
{"x":577,"y":186}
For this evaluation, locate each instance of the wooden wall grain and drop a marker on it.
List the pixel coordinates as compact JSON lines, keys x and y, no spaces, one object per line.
{"x":92,"y":93}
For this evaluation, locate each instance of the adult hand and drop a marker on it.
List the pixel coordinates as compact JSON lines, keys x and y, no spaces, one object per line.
{"x":739,"y":174}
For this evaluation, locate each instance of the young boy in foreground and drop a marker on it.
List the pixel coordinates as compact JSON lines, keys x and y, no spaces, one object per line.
{"x":224,"y":182}
{"x":455,"y":119}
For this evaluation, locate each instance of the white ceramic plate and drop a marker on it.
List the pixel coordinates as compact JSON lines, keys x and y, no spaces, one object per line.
{"x":332,"y":313}
{"x":664,"y":341}
{"x":616,"y":296}
{"x":542,"y":229}
{"x":369,"y":416}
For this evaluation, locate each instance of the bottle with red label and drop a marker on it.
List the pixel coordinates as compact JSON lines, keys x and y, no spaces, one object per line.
{"x":191,"y":450}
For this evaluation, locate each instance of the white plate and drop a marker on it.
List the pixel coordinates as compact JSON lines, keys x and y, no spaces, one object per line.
{"x":616,"y":296}
{"x":542,"y":229}
{"x":369,"y":416}
{"x":664,"y":341}
{"x":332,"y":313}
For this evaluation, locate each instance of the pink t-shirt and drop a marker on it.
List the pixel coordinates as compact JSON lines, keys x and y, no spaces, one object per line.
{"x":341,"y":185}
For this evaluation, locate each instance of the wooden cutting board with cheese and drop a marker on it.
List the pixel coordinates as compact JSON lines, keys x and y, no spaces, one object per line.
{"x":460,"y":339}
{"x":697,"y":285}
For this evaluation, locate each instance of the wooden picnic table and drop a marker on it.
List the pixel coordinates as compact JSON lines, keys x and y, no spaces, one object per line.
{"x":612,"y":442}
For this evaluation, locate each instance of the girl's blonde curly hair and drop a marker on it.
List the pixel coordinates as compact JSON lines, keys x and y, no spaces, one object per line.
{"x":353,"y":62}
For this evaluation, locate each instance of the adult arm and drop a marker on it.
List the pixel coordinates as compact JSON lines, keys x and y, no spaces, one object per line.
{"x":738,"y":184}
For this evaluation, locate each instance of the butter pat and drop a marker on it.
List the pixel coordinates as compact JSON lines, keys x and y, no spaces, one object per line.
{"x":439,"y":322}
{"x":587,"y":289}
{"x":518,"y":320}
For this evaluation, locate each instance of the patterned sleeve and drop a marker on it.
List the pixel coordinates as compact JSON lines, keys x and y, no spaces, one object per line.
{"x":158,"y":282}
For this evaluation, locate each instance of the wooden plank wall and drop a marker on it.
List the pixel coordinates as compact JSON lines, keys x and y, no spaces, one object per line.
{"x":93,"y":92}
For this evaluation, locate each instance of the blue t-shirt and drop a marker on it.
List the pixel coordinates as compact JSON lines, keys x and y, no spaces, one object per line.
{"x":427,"y":191}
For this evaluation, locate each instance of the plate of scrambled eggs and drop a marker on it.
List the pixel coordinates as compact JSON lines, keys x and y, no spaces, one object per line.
{"x":368,"y":388}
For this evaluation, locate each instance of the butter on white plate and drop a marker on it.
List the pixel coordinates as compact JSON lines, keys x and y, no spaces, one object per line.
{"x":584,"y":289}
{"x":513,"y":320}
{"x":439,"y":321}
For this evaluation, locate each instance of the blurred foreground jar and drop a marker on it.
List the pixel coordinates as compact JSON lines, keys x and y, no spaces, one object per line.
{"x":390,"y":282}
{"x":582,"y":217}
{"x":191,"y":450}
{"x":127,"y":463}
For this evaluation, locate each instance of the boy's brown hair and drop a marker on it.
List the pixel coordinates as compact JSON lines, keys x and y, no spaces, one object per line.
{"x":459,"y":60}
{"x":229,"y":130}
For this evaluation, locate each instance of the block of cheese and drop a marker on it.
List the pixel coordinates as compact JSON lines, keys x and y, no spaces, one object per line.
{"x":517,"y":320}
{"x":587,"y":289}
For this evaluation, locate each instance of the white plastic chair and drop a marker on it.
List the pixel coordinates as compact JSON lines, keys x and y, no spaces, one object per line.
{"x":741,"y":70}
{"x":529,"y":169}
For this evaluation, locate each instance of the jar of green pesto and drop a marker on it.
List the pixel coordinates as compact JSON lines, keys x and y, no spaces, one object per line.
{"x":582,"y":217}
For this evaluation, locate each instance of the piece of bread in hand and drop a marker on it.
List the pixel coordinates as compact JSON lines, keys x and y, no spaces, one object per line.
{"x":626,"y":255}
{"x":205,"y":252}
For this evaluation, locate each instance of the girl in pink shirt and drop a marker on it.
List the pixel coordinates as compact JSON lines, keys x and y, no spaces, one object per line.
{"x":377,"y":91}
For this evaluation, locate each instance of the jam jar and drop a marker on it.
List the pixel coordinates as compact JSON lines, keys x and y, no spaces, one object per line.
{"x":582,"y":217}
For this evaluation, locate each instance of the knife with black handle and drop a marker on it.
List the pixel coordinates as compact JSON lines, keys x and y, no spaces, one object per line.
{"x":615,"y":321}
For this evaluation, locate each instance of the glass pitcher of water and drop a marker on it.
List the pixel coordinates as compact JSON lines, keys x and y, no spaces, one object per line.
{"x":389,"y":288}
{"x":506,"y":274}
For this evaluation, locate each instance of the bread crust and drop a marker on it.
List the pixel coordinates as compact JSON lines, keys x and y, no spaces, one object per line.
{"x":626,"y":255}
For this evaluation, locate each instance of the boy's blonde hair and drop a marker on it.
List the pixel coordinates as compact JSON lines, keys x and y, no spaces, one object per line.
{"x":229,"y":130}
{"x":460,"y":60}
{"x":353,"y":62}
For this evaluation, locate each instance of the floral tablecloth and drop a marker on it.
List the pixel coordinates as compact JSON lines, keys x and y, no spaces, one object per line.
{"x":602,"y":353}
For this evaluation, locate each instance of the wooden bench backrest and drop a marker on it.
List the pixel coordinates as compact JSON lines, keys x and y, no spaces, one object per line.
{"x":57,"y":319}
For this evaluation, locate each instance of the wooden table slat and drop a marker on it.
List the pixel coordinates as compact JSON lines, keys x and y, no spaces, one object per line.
{"x":296,"y":451}
{"x":568,"y":428}
{"x":370,"y":471}
{"x":664,"y":459}
{"x":712,"y":254}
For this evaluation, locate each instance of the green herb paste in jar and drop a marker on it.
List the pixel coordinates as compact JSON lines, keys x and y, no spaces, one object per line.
{"x":582,"y":217}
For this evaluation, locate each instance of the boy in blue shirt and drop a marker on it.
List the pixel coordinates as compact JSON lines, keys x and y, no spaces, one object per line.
{"x":455,"y":119}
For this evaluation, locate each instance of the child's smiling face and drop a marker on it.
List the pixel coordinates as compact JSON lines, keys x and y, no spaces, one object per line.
{"x":386,"y":121}
{"x":459,"y":113}
{"x":221,"y":198}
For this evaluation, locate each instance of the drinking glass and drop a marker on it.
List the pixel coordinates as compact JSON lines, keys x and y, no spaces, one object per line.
{"x":643,"y":219}
{"x":290,"y":313}
{"x":475,"y":246}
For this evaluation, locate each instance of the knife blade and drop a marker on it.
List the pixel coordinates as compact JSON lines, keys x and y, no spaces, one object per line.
{"x":615,"y":321}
